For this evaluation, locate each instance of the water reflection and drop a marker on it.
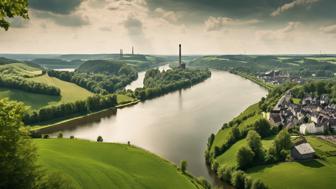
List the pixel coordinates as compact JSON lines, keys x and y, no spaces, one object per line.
{"x":176,"y":126}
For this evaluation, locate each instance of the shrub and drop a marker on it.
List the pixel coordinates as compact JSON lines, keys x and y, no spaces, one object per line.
{"x":245,"y":157}
{"x":60,"y":135}
{"x":238,"y":179}
{"x":72,"y":137}
{"x":100,"y":139}
{"x":183,"y":166}
{"x":204,"y":182}
{"x":257,"y":184}
{"x":254,"y":142}
{"x":225,"y":173}
{"x":45,"y":136}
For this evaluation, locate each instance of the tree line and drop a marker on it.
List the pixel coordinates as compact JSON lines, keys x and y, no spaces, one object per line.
{"x":91,"y":104}
{"x":99,"y":83}
{"x":157,"y":83}
{"x":29,"y":86}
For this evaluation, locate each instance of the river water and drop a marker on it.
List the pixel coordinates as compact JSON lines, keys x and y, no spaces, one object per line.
{"x":176,"y":126}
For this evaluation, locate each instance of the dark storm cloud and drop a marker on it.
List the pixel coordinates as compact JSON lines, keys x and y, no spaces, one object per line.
{"x":55,"y":6}
{"x":297,"y":10}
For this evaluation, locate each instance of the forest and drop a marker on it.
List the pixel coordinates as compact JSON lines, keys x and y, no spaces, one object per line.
{"x":157,"y":83}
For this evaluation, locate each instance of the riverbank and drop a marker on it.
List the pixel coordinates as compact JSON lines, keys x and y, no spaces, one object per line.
{"x":97,"y":165}
{"x":254,"y":79}
{"x":76,"y":120}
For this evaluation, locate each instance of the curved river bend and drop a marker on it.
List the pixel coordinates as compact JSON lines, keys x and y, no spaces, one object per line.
{"x":176,"y":126}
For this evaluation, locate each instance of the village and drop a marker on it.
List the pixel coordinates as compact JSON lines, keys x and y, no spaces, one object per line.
{"x":278,"y":77}
{"x":308,"y":116}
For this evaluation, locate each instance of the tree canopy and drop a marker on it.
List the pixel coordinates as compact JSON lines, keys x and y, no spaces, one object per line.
{"x":10,"y":9}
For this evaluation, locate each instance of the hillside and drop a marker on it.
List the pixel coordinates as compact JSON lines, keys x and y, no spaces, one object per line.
{"x":101,"y":66}
{"x":106,"y":165}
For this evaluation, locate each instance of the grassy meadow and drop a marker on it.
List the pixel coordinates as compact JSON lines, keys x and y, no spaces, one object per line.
{"x":317,"y":173}
{"x":107,"y":165}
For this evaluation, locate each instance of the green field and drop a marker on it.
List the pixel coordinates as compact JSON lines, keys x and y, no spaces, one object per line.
{"x":229,"y":157}
{"x":312,"y":174}
{"x":20,"y":69}
{"x":106,"y":165}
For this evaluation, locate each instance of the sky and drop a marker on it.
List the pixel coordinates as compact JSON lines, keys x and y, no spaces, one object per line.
{"x":158,"y":26}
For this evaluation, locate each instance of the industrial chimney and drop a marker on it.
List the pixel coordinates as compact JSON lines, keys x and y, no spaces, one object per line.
{"x":180,"y":58}
{"x":121,"y":53}
{"x":132,"y":50}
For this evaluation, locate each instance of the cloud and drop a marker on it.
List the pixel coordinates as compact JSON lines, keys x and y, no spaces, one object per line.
{"x":291,"y":5}
{"x":279,"y":34}
{"x":329,"y":29}
{"x":219,"y":23}
{"x":170,"y":16}
{"x":72,"y":20}
{"x":133,"y":26}
{"x":55,"y":6}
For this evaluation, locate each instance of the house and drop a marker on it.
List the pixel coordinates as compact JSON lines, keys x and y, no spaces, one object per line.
{"x":311,"y":128}
{"x":303,"y":152}
{"x":275,"y":119}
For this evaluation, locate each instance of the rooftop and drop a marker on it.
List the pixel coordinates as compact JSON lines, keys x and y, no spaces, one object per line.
{"x":304,"y":148}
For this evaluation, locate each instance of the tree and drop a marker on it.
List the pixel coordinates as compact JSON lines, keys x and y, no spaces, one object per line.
{"x":17,"y":153}
{"x":100,"y":139}
{"x":257,"y":184}
{"x":10,"y":9}
{"x":60,"y":135}
{"x":238,"y":179}
{"x":281,"y":145}
{"x":183,"y":166}
{"x":254,"y":142}
{"x":244,"y":157}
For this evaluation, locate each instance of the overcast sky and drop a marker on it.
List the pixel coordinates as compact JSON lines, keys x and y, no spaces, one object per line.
{"x":158,"y":26}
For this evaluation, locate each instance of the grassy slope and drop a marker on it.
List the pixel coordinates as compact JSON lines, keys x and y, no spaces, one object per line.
{"x":20,"y":69}
{"x":70,"y":92}
{"x":106,"y":165}
{"x":229,"y":157}
{"x":312,"y":174}
{"x":222,"y":135}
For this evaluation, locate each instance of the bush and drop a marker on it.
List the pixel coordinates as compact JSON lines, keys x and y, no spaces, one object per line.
{"x":254,"y":142}
{"x":60,"y":135}
{"x":183,"y":166}
{"x":245,"y":157}
{"x":72,"y":137}
{"x":238,"y":179}
{"x":204,"y":182}
{"x":257,"y":184}
{"x":45,"y":136}
{"x":225,"y":173}
{"x":100,"y":139}
{"x":55,"y":180}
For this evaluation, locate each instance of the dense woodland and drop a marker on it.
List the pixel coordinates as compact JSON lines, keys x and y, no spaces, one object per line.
{"x":95,"y":103}
{"x":101,"y":77}
{"x":157,"y":83}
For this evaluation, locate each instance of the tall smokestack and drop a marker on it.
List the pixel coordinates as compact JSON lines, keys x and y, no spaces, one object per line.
{"x":132,"y":50}
{"x":121,"y":53}
{"x":180,"y":58}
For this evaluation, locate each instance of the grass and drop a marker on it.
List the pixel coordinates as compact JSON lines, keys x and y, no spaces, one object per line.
{"x":20,"y":69}
{"x":123,"y":99}
{"x":300,"y":175}
{"x":70,"y":92}
{"x":33,"y":100}
{"x":222,"y":135}
{"x":229,"y":157}
{"x":107,"y":165}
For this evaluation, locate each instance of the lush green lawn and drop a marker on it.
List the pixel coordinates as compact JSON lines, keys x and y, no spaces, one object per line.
{"x":312,"y":174}
{"x":20,"y":69}
{"x":123,"y":99}
{"x":70,"y":92}
{"x":296,"y":101}
{"x":106,"y":165}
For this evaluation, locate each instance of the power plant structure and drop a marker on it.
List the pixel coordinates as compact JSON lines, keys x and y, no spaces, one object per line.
{"x":181,"y":65}
{"x":121,"y":53}
{"x":132,"y":50}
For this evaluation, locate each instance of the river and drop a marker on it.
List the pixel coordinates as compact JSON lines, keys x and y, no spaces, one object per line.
{"x":176,"y":126}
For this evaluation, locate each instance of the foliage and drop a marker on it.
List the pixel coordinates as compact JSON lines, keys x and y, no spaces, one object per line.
{"x":91,"y":104}
{"x":254,"y":142}
{"x":280,"y":149}
{"x":55,"y":180}
{"x":29,"y":86}
{"x":238,"y":179}
{"x":157,"y":83}
{"x":184,"y":166}
{"x":245,"y":157}
{"x":100,"y":83}
{"x":100,"y":139}
{"x":17,"y":153}
{"x":10,"y":9}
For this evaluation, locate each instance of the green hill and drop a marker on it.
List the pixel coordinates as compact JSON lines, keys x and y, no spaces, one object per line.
{"x":107,"y":165}
{"x":101,"y":66}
